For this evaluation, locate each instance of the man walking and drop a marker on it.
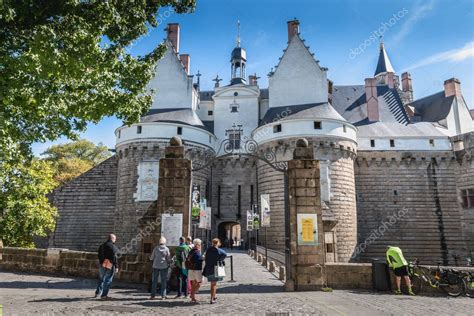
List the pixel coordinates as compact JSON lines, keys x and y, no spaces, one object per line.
{"x":182,"y":252}
{"x":397,"y":262}
{"x":108,"y":266}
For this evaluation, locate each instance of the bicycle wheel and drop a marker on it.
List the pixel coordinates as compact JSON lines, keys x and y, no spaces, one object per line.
{"x":469,"y":286}
{"x":416,"y":284}
{"x":454,"y":289}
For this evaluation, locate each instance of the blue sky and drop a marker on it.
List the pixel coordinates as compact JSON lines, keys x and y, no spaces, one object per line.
{"x":433,"y":39}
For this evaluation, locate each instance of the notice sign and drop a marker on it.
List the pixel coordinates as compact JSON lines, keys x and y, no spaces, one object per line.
{"x":265,"y":203}
{"x":172,"y":228}
{"x":307,"y":229}
{"x":249,"y":220}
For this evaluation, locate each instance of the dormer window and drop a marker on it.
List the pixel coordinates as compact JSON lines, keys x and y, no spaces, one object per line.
{"x":317,"y":125}
{"x":139,"y":129}
{"x":179,"y":130}
{"x":392,"y":143}
{"x":234,"y":107}
{"x":372,"y":143}
{"x":277,"y":128}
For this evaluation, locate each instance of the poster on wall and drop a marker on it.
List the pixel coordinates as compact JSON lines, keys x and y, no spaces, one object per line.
{"x":205,"y":218}
{"x":172,"y":228}
{"x":265,"y":205}
{"x":307,"y":229}
{"x":147,"y":183}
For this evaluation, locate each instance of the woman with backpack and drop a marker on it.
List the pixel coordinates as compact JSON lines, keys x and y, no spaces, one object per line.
{"x":194,"y":265}
{"x":214,"y":262}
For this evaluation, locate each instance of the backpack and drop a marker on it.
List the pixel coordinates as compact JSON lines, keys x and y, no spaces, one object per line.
{"x":189,"y":262}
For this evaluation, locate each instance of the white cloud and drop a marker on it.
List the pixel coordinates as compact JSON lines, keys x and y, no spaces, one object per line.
{"x":453,"y":55}
{"x":417,"y":12}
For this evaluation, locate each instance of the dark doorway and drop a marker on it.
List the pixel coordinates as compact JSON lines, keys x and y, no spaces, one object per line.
{"x":230,"y":234}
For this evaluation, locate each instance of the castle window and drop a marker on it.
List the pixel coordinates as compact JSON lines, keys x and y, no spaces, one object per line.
{"x":234,"y":140}
{"x":119,"y":134}
{"x":432,"y":142}
{"x":372,"y":143}
{"x":392,"y":143}
{"x":317,"y":125}
{"x":210,"y":139}
{"x":277,"y":128}
{"x":180,"y":130}
{"x":210,"y":113}
{"x":344,"y":128}
{"x":467,"y":196}
{"x":139,"y":129}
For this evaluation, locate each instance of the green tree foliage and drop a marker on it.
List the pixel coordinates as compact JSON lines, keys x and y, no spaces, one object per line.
{"x":64,"y":63}
{"x":24,"y":208}
{"x":72,"y":159}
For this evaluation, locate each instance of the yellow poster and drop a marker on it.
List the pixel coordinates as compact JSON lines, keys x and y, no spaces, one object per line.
{"x":307,"y":225}
{"x":307,"y":229}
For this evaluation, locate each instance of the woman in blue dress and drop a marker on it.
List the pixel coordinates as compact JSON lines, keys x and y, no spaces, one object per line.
{"x":214,"y":257}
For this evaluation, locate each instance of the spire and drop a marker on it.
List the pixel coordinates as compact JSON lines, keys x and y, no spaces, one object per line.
{"x":238,"y":33}
{"x":383,"y":65}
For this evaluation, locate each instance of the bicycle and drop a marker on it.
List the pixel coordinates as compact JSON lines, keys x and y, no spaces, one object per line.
{"x":468,"y":279}
{"x":448,"y":280}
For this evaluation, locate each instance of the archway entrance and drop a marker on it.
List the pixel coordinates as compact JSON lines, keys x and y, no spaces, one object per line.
{"x":230,"y":234}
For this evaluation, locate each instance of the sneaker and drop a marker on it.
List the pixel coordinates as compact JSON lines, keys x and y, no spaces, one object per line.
{"x":397,"y":292}
{"x":212,"y":302}
{"x":410,"y":292}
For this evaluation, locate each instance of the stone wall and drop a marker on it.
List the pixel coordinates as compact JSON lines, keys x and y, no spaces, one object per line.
{"x":409,"y":200}
{"x":67,"y":262}
{"x":465,"y":180}
{"x":86,"y":207}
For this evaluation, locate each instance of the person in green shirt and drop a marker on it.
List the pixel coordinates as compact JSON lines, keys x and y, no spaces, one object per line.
{"x":397,"y":262}
{"x":182,"y":252}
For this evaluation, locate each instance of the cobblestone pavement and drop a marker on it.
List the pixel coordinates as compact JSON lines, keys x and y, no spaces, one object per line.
{"x":255,"y":291}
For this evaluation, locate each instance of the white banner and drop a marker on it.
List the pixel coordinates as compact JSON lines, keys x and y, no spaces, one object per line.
{"x":205,"y":218}
{"x":265,"y":210}
{"x":172,"y":228}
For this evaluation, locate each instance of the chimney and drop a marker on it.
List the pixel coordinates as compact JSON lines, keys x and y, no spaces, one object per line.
{"x":253,"y":80}
{"x":186,"y":61}
{"x":173,"y":35}
{"x":372,"y":100}
{"x":390,"y":79}
{"x":406,"y":82}
{"x":452,"y":87}
{"x":293,"y":28}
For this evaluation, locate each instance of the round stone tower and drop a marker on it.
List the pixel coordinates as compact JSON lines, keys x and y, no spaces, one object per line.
{"x":139,"y":148}
{"x":334,"y":143}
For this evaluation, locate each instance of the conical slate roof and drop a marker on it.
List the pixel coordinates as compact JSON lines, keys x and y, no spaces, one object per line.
{"x":383,"y":65}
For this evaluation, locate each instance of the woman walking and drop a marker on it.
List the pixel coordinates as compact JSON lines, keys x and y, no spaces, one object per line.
{"x":213,"y":258}
{"x":161,"y":259}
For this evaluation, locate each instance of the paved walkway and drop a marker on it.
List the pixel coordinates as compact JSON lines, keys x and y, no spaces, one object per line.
{"x":255,"y":291}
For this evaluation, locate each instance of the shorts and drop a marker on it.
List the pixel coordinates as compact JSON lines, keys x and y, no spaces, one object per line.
{"x":195,"y":275}
{"x":401,"y":271}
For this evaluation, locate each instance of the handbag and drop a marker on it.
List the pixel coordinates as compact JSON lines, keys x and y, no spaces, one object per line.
{"x":219,"y":271}
{"x":107,"y":264}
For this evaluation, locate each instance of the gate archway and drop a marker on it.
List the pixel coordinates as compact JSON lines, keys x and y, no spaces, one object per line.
{"x":229,"y":233}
